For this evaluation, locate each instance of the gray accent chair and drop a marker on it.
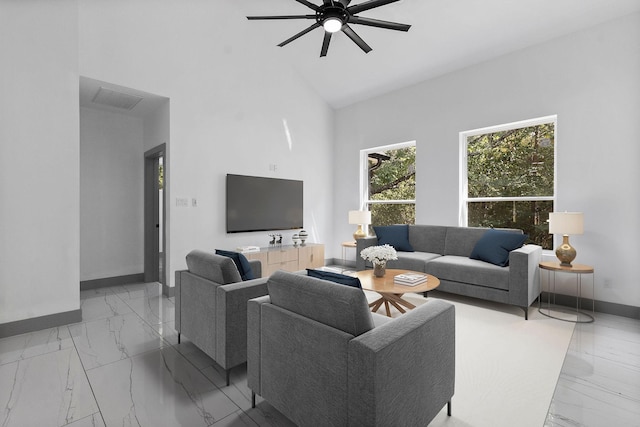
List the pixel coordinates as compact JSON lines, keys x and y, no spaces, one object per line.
{"x":444,"y":252}
{"x":211,"y":306}
{"x":319,"y":356}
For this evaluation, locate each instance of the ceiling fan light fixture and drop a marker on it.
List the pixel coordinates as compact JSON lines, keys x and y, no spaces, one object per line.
{"x":336,"y":15}
{"x":332,"y":24}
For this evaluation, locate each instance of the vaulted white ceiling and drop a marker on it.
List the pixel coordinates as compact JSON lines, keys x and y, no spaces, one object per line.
{"x":446,"y":35}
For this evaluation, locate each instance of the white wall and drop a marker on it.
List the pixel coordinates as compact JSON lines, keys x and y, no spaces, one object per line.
{"x":156,"y":132}
{"x":111,"y":194}
{"x":589,"y":79}
{"x":229,"y":104}
{"x":156,"y":127}
{"x":39,"y":159}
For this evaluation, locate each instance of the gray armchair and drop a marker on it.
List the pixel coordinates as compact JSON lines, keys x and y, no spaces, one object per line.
{"x":211,"y":306}
{"x":316,"y":354}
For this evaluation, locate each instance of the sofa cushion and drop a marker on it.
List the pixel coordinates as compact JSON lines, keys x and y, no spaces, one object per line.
{"x":213,"y":267}
{"x":341,"y":307}
{"x":494,"y":246}
{"x":428,"y":238}
{"x":460,"y":241}
{"x":241,"y":262}
{"x":394,"y":235}
{"x":342,"y":279}
{"x":415,"y":261}
{"x":466,"y":270}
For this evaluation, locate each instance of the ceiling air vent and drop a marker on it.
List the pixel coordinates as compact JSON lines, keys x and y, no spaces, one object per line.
{"x":116,"y":99}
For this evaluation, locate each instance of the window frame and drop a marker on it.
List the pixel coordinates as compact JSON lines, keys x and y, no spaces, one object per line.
{"x":464,"y":198}
{"x":365,"y":201}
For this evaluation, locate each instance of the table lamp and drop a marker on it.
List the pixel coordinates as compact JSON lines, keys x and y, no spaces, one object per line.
{"x":360,"y":218}
{"x":566,"y":223}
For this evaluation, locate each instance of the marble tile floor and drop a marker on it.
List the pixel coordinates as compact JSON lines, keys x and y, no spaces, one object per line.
{"x":122,"y":366}
{"x":599,"y":384}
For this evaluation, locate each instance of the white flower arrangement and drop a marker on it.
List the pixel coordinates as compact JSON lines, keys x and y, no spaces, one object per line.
{"x":379,"y":254}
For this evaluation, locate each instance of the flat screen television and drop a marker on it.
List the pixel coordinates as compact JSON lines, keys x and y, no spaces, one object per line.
{"x":261,"y":204}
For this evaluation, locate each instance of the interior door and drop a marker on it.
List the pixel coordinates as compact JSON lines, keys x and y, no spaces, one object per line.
{"x":154,"y":216}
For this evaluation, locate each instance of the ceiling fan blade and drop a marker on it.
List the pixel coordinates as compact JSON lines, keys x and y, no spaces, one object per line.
{"x":300,"y":34}
{"x":325,"y":44}
{"x":368,"y":5}
{"x":356,"y":38}
{"x":378,"y":23}
{"x":309,"y":5}
{"x":253,"y":18}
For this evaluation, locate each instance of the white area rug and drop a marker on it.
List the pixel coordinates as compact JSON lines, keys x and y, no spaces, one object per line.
{"x":506,"y":367}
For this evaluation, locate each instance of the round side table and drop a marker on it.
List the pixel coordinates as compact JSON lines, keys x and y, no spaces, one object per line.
{"x":578,"y":270}
{"x":345,"y":246}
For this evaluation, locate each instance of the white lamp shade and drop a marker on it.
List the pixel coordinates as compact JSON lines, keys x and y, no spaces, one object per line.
{"x":359,"y":217}
{"x":566,"y":223}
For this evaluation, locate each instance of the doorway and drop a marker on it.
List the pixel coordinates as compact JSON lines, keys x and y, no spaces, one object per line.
{"x":155,"y":260}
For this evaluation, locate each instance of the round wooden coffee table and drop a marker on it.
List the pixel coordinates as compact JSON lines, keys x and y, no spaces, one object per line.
{"x":390,"y":292}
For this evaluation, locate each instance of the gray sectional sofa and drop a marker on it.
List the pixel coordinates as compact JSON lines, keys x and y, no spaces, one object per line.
{"x":444,"y":251}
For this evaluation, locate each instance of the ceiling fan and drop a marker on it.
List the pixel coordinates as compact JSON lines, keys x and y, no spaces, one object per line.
{"x":336,"y":15}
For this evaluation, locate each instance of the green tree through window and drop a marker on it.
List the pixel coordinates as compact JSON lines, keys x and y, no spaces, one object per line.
{"x":510,"y":179}
{"x":391,"y":178}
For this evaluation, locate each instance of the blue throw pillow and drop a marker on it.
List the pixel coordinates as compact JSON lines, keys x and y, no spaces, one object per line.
{"x":394,"y":235}
{"x":494,"y":246}
{"x":342,"y":279}
{"x":241,"y":262}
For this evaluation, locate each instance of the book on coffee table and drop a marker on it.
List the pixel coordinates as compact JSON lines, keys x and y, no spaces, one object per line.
{"x":410,"y":279}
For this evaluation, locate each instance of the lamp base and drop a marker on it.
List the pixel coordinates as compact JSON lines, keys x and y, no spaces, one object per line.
{"x":359,"y":233}
{"x":565,"y":252}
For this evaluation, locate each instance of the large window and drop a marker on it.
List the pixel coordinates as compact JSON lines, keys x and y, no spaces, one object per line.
{"x":509,"y":177}
{"x":389,"y":183}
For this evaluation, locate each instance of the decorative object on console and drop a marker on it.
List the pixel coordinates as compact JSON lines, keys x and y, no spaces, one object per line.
{"x":276,"y":240}
{"x":379,"y":255}
{"x":296,"y":239}
{"x":303,"y":237}
{"x":566,"y":223}
{"x":359,"y":218}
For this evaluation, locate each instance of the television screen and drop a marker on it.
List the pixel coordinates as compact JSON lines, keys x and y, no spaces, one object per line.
{"x":262,"y":204}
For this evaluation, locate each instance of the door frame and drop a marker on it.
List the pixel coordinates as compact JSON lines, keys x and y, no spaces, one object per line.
{"x":152,"y":216}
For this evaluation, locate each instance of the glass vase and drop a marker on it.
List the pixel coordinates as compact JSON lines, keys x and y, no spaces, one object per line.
{"x":379,"y":268}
